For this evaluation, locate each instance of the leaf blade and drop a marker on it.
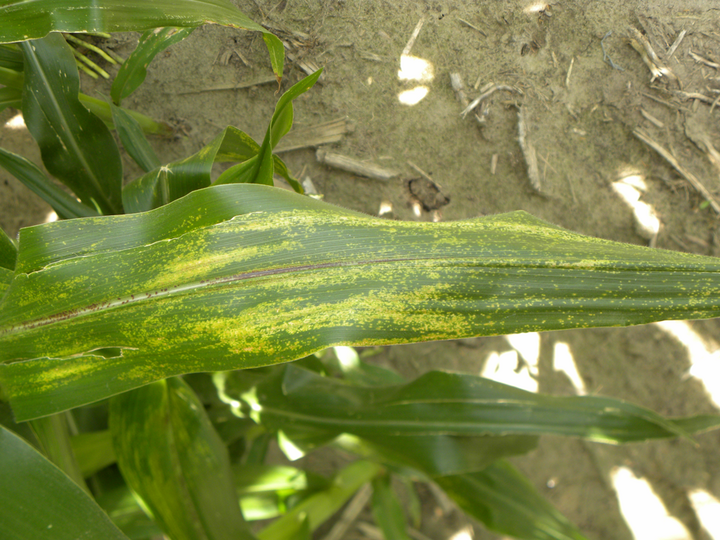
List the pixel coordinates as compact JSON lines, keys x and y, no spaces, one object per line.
{"x":68,"y":512}
{"x":248,"y":275}
{"x":76,"y":146}
{"x":171,"y":456}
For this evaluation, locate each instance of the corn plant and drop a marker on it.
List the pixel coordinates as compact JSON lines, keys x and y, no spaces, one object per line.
{"x":157,"y":339}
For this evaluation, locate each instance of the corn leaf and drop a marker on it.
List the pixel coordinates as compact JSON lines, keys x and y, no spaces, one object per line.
{"x":93,"y":450}
{"x":170,"y":455}
{"x":134,"y":70}
{"x":65,"y":205}
{"x":505,"y":502}
{"x":10,"y":97}
{"x":316,"y":509}
{"x":76,"y":146}
{"x":387,"y":510}
{"x":260,"y":168}
{"x":8,"y":251}
{"x":68,"y":513}
{"x":23,"y":20}
{"x":170,"y":182}
{"x":246,"y":275}
{"x":133,"y":139}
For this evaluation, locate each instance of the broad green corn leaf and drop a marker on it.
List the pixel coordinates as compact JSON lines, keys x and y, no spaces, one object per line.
{"x":22,"y":20}
{"x":76,"y":146}
{"x":8,"y":251}
{"x":66,"y":206}
{"x":93,"y":450}
{"x":260,"y":169}
{"x":505,"y":502}
{"x":317,"y":508}
{"x":387,"y":510}
{"x":246,"y":275}
{"x":29,"y":483}
{"x":133,"y":139}
{"x":53,"y":434}
{"x":171,"y":456}
{"x":134,"y":70}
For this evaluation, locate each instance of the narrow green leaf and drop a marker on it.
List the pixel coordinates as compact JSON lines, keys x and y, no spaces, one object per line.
{"x":321,"y":506}
{"x":11,"y":57}
{"x":123,"y":509}
{"x":387,"y":510}
{"x":310,"y":411}
{"x":8,"y":250}
{"x":10,"y":97}
{"x":76,"y":146}
{"x":68,"y":513}
{"x":11,"y":78}
{"x":244,"y":275}
{"x":134,"y":70}
{"x":54,"y":436}
{"x":65,"y":205}
{"x":503,"y":500}
{"x":171,"y":456}
{"x":94,"y":451}
{"x":440,"y":403}
{"x":30,"y":20}
{"x":261,"y":170}
{"x":133,"y":139}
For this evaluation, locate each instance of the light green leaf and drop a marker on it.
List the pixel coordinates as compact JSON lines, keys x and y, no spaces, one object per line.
{"x":133,"y":139}
{"x":76,"y":146}
{"x":65,"y":205}
{"x":317,"y":508}
{"x":245,"y":275}
{"x":53,"y":434}
{"x":24,"y":20}
{"x":8,"y":251}
{"x":260,"y":170}
{"x":170,"y":455}
{"x":387,"y":510}
{"x":68,"y":513}
{"x":123,"y":509}
{"x":134,"y":70}
{"x":505,"y":502}
{"x":93,"y":450}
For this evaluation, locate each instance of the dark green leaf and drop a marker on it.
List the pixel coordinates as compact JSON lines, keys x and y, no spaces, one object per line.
{"x":11,"y":57}
{"x":503,"y":500}
{"x":387,"y":510}
{"x":66,"y":206}
{"x":244,"y":275}
{"x":28,"y":482}
{"x":171,"y":456}
{"x":134,"y":70}
{"x":133,"y":139}
{"x":10,"y":97}
{"x":29,"y":20}
{"x":76,"y":146}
